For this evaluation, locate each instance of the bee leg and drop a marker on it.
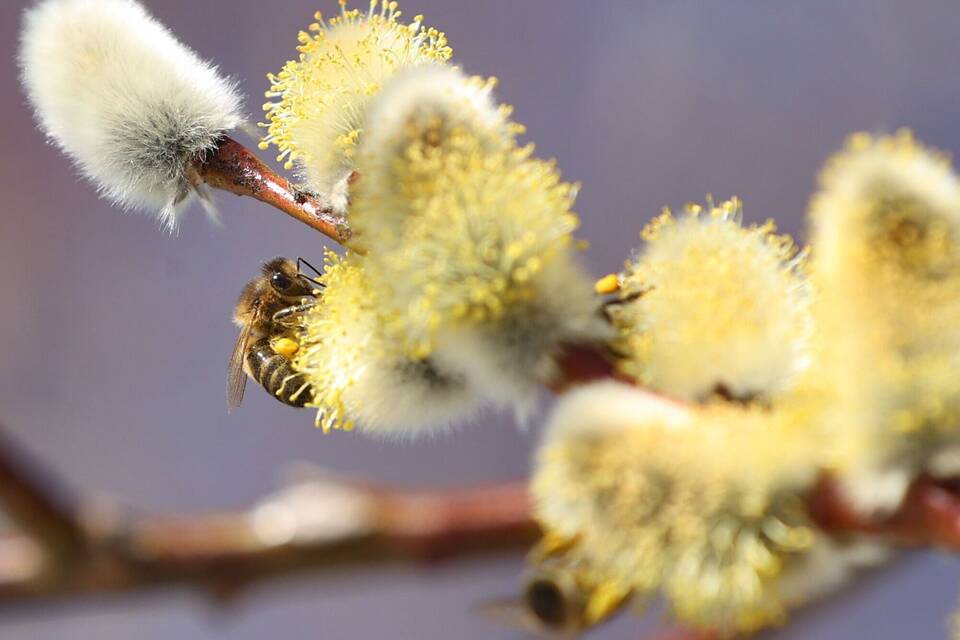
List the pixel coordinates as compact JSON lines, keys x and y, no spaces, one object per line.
{"x":287,"y":312}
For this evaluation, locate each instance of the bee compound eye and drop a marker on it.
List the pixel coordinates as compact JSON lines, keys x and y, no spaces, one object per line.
{"x":280,"y":282}
{"x":546,"y":600}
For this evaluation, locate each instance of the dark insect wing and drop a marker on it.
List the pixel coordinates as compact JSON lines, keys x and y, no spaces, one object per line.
{"x":236,"y":376}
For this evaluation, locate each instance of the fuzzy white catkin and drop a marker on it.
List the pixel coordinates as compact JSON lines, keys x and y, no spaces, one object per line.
{"x":124,"y":99}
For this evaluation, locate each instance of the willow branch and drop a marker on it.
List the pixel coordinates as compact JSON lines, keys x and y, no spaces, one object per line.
{"x":39,"y":504}
{"x":581,"y":364}
{"x":72,"y":547}
{"x":234,"y":168}
{"x":318,"y":526}
{"x":929,"y":515}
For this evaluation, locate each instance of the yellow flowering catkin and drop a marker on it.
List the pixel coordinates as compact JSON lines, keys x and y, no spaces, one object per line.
{"x":318,"y":100}
{"x":338,"y":337}
{"x":427,"y":104}
{"x":887,"y":266}
{"x":468,"y":236}
{"x":360,"y":373}
{"x":712,"y":307}
{"x":481,"y":230}
{"x":703,"y":505}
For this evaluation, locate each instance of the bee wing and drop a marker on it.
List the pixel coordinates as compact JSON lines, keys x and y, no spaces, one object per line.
{"x":236,"y":376}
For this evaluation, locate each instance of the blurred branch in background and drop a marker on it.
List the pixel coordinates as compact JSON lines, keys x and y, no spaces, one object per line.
{"x":928,"y":517}
{"x":41,"y":506}
{"x":71,"y":547}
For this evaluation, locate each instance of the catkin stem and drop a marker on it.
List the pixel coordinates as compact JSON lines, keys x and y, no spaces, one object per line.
{"x":234,"y":168}
{"x":928,"y":517}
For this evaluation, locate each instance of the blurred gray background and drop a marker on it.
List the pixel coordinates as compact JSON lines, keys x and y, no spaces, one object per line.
{"x":114,"y":336}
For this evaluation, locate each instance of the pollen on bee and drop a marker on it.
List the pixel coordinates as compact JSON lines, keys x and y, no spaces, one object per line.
{"x":609,"y":283}
{"x":286,"y":347}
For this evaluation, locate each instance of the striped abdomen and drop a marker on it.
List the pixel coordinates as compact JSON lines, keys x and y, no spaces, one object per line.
{"x":274,"y":373}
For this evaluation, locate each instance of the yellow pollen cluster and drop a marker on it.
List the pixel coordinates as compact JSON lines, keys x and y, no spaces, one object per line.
{"x":708,"y":511}
{"x":339,"y":340}
{"x":482,"y":224}
{"x":709,"y":305}
{"x":317,"y":101}
{"x":358,"y":369}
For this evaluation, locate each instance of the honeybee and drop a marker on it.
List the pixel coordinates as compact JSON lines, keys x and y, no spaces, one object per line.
{"x":269,"y":313}
{"x":559,"y":599}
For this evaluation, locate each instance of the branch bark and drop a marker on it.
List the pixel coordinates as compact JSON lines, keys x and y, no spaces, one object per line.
{"x":929,"y":515}
{"x":39,"y":504}
{"x":234,"y":168}
{"x":73,"y":547}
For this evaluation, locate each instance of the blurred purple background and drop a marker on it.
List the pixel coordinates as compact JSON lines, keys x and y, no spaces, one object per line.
{"x":115,"y":336}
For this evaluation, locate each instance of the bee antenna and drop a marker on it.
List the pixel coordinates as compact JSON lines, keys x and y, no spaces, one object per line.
{"x":311,"y":281}
{"x":301,"y":261}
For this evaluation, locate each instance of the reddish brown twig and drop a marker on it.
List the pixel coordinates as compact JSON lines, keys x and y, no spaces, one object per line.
{"x":234,"y":168}
{"x":38,"y":503}
{"x":582,"y":364}
{"x":578,"y":364}
{"x":311,"y":528}
{"x":434,"y":525}
{"x":323,"y":524}
{"x":929,"y":515}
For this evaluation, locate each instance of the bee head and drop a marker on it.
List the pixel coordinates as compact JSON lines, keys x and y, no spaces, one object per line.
{"x":549,"y":601}
{"x":286,"y":280}
{"x":561,"y":597}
